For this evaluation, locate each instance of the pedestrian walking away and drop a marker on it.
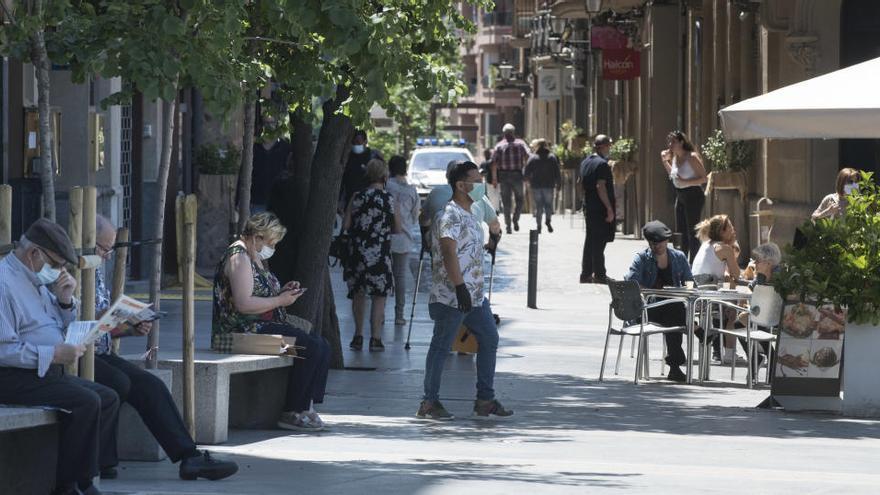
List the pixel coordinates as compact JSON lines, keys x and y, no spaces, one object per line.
{"x":508,"y":160}
{"x":687,"y":173}
{"x":457,"y":297}
{"x":406,"y":203}
{"x":544,"y":177}
{"x":599,"y":210}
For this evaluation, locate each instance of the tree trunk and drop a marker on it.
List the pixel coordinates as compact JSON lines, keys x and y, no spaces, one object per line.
{"x":301,"y":160}
{"x":168,"y":108}
{"x":330,"y":323}
{"x":247,"y":161}
{"x":40,"y":59}
{"x":314,"y":240}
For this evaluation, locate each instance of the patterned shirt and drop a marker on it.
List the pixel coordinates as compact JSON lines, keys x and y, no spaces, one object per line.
{"x":406,"y":203}
{"x":102,"y":302}
{"x":462,"y":226}
{"x":510,"y":156}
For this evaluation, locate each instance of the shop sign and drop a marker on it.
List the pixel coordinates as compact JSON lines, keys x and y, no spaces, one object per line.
{"x":620,"y":64}
{"x":608,"y":38}
{"x":549,"y":83}
{"x":809,"y":351}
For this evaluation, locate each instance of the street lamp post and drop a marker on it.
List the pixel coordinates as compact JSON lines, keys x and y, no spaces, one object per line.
{"x":593,"y":8}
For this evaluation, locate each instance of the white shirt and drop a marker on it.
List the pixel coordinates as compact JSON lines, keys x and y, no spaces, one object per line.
{"x":406,"y":202}
{"x":706,"y":262}
{"x":464,"y":228}
{"x":684,"y":171}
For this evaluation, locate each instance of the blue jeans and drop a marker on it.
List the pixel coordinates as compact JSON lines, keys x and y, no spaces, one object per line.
{"x":447,"y":320}
{"x":543,"y":203}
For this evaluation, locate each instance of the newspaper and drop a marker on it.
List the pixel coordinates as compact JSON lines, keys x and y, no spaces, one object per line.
{"x":124,"y":310}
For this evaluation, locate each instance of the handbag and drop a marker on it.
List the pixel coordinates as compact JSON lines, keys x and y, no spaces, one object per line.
{"x":341,"y":249}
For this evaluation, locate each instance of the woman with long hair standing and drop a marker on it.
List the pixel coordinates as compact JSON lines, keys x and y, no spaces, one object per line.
{"x":687,"y":173}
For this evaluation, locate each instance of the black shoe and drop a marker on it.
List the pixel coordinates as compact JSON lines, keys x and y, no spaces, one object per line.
{"x":676,"y":375}
{"x":549,"y":228}
{"x":516,"y":225}
{"x":508,"y":230}
{"x":376,"y":345}
{"x":70,"y":489}
{"x":357,"y":343}
{"x":600,"y":279}
{"x":586,"y":279}
{"x":539,"y":229}
{"x":109,"y":473}
{"x":205,"y":466}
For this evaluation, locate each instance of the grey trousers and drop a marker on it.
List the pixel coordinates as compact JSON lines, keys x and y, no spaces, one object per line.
{"x":400,"y":267}
{"x":511,"y":190}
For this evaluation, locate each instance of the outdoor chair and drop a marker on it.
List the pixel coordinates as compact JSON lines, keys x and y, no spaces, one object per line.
{"x":629,"y":307}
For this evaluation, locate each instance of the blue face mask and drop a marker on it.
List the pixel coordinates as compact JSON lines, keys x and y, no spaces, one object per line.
{"x":478,"y":191}
{"x":357,"y":149}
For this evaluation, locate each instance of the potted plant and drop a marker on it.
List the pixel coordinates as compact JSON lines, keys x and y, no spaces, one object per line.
{"x":840,"y":264}
{"x":571,"y":150}
{"x":727,"y":162}
{"x":218,"y":177}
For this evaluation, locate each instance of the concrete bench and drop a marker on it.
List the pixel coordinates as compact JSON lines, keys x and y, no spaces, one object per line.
{"x":28,"y":449}
{"x":232,"y":390}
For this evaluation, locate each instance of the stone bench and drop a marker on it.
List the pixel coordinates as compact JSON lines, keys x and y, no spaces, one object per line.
{"x":28,"y":449}
{"x":231,"y":390}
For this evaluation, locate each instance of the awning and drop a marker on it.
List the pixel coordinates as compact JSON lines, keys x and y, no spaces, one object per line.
{"x":837,"y":105}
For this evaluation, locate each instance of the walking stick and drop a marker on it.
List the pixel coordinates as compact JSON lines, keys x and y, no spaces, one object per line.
{"x":491,"y":282}
{"x":415,"y":293}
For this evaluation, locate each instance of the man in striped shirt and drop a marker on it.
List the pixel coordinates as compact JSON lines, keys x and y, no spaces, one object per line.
{"x":508,"y":160}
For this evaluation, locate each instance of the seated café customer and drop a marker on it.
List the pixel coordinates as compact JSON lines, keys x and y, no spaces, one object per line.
{"x":663,"y":266}
{"x":249,"y":299}
{"x":36,"y":305}
{"x":146,"y":393}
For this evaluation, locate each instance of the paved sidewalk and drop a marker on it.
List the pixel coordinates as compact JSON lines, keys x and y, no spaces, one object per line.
{"x":570,"y":434}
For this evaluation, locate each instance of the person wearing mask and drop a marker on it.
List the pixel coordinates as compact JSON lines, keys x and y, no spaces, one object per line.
{"x":686,"y":171}
{"x":599,"y":211}
{"x":406,"y":202}
{"x":146,"y":393}
{"x":354,"y":176}
{"x":249,"y":299}
{"x":508,"y":160}
{"x":457,"y":297}
{"x":834,"y":204}
{"x":663,"y":266}
{"x":36,"y":306}
{"x":544,"y":177}
{"x":370,"y":220}
{"x":271,"y":155}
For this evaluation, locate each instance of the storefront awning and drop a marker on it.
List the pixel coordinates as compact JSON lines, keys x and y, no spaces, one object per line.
{"x":837,"y":105}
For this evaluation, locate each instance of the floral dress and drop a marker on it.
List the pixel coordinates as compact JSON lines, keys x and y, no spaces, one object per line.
{"x":225,"y":319}
{"x":369,"y":270}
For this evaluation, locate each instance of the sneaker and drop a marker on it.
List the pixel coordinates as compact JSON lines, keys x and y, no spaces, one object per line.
{"x":549,"y":228}
{"x":314,"y":418}
{"x":376,"y":345}
{"x":727,"y":360}
{"x":490,"y":409}
{"x":357,"y":343}
{"x":676,"y":375}
{"x":433,"y":409}
{"x":298,"y":422}
{"x":206,"y":466}
{"x":400,"y":321}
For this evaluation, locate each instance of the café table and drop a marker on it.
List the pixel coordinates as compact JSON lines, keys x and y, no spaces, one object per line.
{"x":693,"y":298}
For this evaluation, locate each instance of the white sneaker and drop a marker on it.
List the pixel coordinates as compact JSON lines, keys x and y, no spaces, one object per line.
{"x":728,"y":359}
{"x":299,"y":422}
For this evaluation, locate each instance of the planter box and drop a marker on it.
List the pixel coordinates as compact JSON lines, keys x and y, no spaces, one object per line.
{"x":861,"y":368}
{"x":216,"y":213}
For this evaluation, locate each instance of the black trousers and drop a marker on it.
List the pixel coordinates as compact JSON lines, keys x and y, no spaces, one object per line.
{"x":688,"y":211}
{"x":88,"y":422}
{"x":671,"y":315}
{"x":511,"y":185}
{"x":593,"y":260}
{"x":308,"y":377}
{"x":149,"y":396}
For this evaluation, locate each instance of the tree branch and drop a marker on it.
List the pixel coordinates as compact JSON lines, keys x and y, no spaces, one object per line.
{"x":273,"y":40}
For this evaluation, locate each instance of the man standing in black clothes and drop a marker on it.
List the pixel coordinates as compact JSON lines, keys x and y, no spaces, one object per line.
{"x":270,"y":160}
{"x":354,"y":176}
{"x":598,"y":184}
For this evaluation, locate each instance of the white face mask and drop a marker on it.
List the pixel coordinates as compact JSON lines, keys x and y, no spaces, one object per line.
{"x":849,"y":188}
{"x":266,"y":252}
{"x":48,"y":275}
{"x":357,"y":149}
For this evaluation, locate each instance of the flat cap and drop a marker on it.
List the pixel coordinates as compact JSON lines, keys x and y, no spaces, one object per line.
{"x":656,"y":231}
{"x":50,"y":236}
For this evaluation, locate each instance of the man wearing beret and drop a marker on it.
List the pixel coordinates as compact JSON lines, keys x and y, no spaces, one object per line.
{"x":663,"y":266}
{"x":36,"y":305}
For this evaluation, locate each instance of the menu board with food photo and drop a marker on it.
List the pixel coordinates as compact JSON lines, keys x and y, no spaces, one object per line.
{"x":810,"y":350}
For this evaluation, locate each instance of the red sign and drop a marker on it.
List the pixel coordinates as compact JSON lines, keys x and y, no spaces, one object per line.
{"x":620,"y":64}
{"x":607,"y":37}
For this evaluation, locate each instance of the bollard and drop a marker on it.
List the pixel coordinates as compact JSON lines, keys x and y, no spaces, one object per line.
{"x":5,"y":214}
{"x":188,"y":269}
{"x":118,"y":287}
{"x":87,"y":306}
{"x":533,"y":269}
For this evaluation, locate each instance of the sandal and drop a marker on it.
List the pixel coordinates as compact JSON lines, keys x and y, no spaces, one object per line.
{"x":357,"y":343}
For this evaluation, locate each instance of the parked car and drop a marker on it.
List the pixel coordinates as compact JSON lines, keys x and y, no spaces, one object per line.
{"x":428,"y":165}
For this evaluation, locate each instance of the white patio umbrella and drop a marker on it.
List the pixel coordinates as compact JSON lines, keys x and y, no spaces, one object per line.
{"x":841,"y":104}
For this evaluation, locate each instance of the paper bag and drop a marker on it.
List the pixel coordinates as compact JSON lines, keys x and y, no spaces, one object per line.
{"x":465,"y":341}
{"x":265,"y":344}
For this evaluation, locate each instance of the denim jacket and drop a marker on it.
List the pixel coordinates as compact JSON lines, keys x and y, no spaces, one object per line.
{"x":644,"y":268}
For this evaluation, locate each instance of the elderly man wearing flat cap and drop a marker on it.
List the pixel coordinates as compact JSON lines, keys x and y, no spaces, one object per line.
{"x":663,"y":266}
{"x":36,"y":305}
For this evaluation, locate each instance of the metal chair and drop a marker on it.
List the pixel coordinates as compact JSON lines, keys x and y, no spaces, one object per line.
{"x":628,"y":305}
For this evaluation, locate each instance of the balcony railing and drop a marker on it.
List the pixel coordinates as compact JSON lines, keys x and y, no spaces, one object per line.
{"x":504,"y":18}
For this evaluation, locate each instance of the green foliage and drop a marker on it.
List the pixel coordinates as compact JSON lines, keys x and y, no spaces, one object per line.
{"x":623,"y":149}
{"x":569,"y":133}
{"x":212,"y":159}
{"x":726,"y":156}
{"x":841,"y":260}
{"x":386,"y":143}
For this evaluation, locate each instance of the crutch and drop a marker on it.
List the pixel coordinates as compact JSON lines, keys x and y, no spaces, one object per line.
{"x":412,"y":312}
{"x":491,"y":281}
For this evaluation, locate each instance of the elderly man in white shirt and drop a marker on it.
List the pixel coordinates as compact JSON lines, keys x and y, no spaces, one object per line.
{"x":36,"y":305}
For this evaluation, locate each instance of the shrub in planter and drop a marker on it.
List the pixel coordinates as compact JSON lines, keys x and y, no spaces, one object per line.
{"x":724,"y":156}
{"x":623,"y":149}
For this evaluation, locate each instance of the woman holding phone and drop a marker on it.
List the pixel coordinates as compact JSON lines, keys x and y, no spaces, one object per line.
{"x":248,"y":298}
{"x":687,"y":173}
